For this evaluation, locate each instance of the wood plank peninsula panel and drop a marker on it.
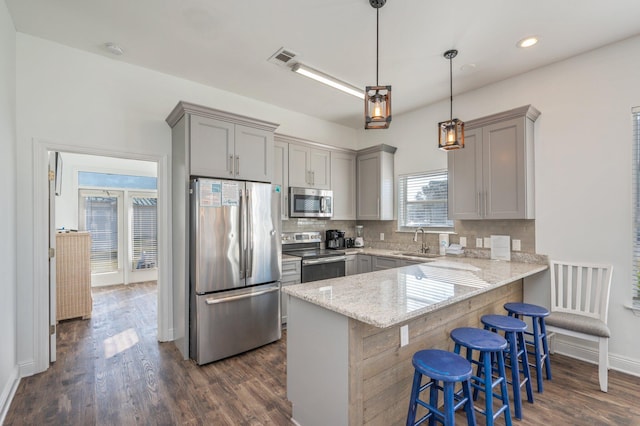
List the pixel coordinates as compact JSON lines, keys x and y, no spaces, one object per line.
{"x":345,"y":364}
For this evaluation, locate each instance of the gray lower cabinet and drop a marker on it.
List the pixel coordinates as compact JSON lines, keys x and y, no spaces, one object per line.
{"x":493,"y":176}
{"x":380,"y":263}
{"x":363,"y":263}
{"x":291,"y":274}
{"x":351,"y":265}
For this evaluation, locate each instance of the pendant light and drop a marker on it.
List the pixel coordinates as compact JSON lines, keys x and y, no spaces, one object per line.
{"x":377,"y":102}
{"x":451,"y":132}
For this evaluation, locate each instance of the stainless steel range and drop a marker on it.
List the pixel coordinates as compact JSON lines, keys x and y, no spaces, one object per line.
{"x":317,"y":263}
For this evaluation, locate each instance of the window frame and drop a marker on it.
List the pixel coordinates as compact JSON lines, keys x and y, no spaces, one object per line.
{"x":403,"y":203}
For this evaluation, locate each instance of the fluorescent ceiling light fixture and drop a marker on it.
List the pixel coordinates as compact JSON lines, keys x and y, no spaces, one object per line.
{"x":528,"y":41}
{"x":328,"y":80}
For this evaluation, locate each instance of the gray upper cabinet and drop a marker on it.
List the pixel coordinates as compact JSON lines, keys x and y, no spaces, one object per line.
{"x":281,"y":173}
{"x":309,"y":167}
{"x":374,"y":194}
{"x":492,"y":176}
{"x":343,"y":178}
{"x":224,"y":145}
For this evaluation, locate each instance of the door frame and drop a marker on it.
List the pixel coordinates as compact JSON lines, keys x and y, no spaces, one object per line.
{"x":41,"y":241}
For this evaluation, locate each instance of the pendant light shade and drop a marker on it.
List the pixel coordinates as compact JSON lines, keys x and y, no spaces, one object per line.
{"x":451,"y":132}
{"x":377,"y":102}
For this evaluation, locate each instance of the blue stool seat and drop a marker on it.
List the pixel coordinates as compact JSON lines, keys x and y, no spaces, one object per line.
{"x":538,"y":335}
{"x":448,"y":368}
{"x":513,"y":329}
{"x":491,"y":347}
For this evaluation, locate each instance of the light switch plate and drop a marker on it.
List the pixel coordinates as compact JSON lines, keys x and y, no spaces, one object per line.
{"x":404,"y":335}
{"x":478,"y":242}
{"x":463,"y":241}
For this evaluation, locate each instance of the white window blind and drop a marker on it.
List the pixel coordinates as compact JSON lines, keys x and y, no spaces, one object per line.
{"x":422,"y":201}
{"x":636,"y":191}
{"x":144,"y":232}
{"x":101,"y":220}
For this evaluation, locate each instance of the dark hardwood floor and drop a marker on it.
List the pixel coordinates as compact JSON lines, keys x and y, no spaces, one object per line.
{"x":112,"y":371}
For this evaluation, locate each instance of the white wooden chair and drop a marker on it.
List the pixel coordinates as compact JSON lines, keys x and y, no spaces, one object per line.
{"x":579,"y":307}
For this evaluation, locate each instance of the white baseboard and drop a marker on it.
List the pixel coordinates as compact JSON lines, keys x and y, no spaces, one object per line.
{"x":27,"y":369}
{"x":585,"y":353}
{"x":8,"y":391}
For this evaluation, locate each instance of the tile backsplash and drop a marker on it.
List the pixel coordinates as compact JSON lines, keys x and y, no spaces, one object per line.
{"x":523,"y":230}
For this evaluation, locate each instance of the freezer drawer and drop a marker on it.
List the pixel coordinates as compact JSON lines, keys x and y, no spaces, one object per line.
{"x":232,"y":322}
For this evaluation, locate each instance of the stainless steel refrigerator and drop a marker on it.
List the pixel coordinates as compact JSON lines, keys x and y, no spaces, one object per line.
{"x":235,"y":254}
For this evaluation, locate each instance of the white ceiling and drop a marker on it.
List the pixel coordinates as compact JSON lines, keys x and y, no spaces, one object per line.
{"x":226,"y":43}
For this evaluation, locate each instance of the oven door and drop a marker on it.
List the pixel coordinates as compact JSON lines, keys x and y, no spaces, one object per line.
{"x":323,"y":268}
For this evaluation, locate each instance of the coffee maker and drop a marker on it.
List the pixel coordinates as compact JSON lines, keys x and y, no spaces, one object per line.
{"x":335,"y":239}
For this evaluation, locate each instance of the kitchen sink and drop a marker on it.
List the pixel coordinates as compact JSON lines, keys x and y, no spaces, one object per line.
{"x":416,"y":254}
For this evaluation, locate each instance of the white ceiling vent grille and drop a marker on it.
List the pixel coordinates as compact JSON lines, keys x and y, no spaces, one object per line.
{"x":283,"y":57}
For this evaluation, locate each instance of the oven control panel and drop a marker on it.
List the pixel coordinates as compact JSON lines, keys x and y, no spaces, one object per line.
{"x":301,"y":237}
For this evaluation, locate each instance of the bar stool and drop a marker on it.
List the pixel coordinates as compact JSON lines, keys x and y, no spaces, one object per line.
{"x":491,"y":347}
{"x":539,"y":334}
{"x":513,"y":329}
{"x":449,"y":368}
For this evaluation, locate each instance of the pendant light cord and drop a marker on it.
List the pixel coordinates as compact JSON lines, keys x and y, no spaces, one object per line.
{"x":377,"y":41}
{"x":451,"y":89}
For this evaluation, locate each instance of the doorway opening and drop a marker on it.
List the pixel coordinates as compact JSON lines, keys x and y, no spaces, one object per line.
{"x":115,"y":202}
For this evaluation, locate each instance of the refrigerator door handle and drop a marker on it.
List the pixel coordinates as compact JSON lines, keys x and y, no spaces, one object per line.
{"x":249,"y":267}
{"x":243,"y":214}
{"x":212,"y":301}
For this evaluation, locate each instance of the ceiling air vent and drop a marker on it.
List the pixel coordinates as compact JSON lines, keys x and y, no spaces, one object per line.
{"x":283,"y":57}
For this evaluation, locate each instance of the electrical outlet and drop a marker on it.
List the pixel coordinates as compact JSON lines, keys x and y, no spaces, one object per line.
{"x":382,"y":236}
{"x":463,"y":241}
{"x":515,"y":245}
{"x":478,"y":242}
{"x":404,"y":335}
{"x":487,"y":242}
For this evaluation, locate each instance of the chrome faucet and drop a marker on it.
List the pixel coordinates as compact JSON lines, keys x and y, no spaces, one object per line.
{"x":424,"y":248}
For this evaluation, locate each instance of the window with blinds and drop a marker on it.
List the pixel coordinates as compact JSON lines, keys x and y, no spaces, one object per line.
{"x":144,"y":232}
{"x":636,"y":191}
{"x":422,"y":201}
{"x":101,"y":220}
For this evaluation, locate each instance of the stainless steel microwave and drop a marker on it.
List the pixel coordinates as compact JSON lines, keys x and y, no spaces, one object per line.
{"x":309,"y":202}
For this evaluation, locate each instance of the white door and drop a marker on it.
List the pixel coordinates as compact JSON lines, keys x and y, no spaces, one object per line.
{"x":101,"y":213}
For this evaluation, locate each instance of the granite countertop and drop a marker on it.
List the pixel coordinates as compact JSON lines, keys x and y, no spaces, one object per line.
{"x":289,"y":258}
{"x":389,"y":297}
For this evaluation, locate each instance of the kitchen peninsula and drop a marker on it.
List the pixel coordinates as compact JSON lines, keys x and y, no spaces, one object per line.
{"x":345,"y":362}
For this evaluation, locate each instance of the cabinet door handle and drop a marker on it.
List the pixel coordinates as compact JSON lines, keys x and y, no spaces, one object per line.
{"x":485,"y":203}
{"x":313,"y":178}
{"x":479,"y":205}
{"x":237,"y":165}
{"x":286,"y":208}
{"x":230,"y":165}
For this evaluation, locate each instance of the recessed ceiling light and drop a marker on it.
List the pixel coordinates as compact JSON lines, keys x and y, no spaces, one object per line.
{"x":527,"y":41}
{"x":114,"y":49}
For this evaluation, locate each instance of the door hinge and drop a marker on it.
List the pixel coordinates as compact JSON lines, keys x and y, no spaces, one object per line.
{"x":52,"y":252}
{"x":52,"y":175}
{"x":52,"y":329}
